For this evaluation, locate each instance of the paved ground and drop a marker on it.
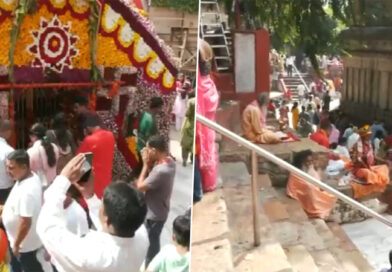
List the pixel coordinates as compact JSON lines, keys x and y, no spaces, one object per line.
{"x":183,"y":188}
{"x":373,"y":239}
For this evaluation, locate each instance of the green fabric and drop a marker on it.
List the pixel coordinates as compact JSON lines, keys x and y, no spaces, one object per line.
{"x":187,"y":131}
{"x":168,"y":260}
{"x":147,"y":128}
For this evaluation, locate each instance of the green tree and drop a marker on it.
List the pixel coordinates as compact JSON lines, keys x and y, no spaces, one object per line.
{"x":313,"y":26}
{"x":190,"y":6}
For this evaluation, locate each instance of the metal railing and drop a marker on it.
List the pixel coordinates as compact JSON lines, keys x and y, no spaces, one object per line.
{"x":257,"y":150}
{"x":301,"y":78}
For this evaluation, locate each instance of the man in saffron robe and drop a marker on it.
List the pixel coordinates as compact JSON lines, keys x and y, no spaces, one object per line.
{"x":254,"y":122}
{"x":316,"y":203}
{"x":321,"y":136}
{"x":375,"y":176}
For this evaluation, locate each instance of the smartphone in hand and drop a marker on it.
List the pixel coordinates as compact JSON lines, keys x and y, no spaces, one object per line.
{"x":87,"y":167}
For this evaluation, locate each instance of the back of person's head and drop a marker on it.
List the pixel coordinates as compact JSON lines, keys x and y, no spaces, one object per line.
{"x":39,"y":130}
{"x":159,"y":143}
{"x":310,"y":108}
{"x":318,"y":107}
{"x":156,"y":102}
{"x":379,"y":134}
{"x":295,"y":105}
{"x":205,"y":57}
{"x":182,"y":230}
{"x":6,"y":129}
{"x":20,"y":157}
{"x":333,"y":146}
{"x":262,"y":99}
{"x":60,"y":126}
{"x":125,"y":209}
{"x":303,"y":108}
{"x":192,"y":94}
{"x":325,"y":125}
{"x":342,"y":141}
{"x":91,"y":120}
{"x":81,"y":100}
{"x":5,"y":125}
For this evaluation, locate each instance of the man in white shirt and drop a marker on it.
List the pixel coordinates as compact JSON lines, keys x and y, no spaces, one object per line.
{"x":121,"y":242}
{"x":5,"y":150}
{"x":20,"y":216}
{"x":301,"y":93}
{"x":290,"y":64}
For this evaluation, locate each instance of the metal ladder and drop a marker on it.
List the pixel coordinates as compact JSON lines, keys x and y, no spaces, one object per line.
{"x":213,"y":32}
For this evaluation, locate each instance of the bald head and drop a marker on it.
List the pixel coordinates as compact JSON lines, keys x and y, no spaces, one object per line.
{"x":6,"y":129}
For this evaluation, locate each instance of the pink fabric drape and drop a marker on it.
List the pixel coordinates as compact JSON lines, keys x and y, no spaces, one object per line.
{"x":207,"y":104}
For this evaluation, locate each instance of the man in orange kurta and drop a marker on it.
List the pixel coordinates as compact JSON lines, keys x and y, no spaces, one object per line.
{"x":316,"y":203}
{"x":254,"y":122}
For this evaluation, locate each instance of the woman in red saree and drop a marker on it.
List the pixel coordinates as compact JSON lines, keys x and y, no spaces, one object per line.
{"x":207,"y":105}
{"x":375,"y":176}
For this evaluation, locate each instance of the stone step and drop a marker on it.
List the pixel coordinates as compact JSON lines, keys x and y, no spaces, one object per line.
{"x":269,"y":256}
{"x":325,"y":253}
{"x":300,"y":259}
{"x":210,"y":233}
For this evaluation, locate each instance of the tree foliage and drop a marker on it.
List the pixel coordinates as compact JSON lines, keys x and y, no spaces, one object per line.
{"x":189,"y":6}
{"x":313,"y":26}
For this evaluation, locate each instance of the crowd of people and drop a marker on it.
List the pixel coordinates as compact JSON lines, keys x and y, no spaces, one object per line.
{"x":64,"y":212}
{"x":358,"y":155}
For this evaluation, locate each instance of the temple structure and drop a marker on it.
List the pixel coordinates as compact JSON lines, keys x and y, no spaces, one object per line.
{"x":367,"y":91}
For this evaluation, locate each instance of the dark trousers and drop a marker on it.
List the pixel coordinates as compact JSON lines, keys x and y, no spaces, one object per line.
{"x":289,"y":70}
{"x":154,"y":229}
{"x":27,"y":262}
{"x":185,"y":155}
{"x":197,"y":187}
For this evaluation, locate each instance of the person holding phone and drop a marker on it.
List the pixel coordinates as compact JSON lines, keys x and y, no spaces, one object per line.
{"x":156,"y":180}
{"x":100,"y":143}
{"x":120,"y":242}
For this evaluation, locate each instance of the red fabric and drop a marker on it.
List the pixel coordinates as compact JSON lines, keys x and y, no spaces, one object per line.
{"x":3,"y":245}
{"x":101,"y":144}
{"x":320,"y":137}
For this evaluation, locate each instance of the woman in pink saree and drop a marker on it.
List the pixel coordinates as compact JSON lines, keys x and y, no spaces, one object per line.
{"x":207,"y":104}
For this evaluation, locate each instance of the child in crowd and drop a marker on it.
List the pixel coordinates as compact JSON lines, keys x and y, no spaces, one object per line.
{"x":175,"y":257}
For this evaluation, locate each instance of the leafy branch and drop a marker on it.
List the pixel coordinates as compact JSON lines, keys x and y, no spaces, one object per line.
{"x":94,"y":18}
{"x":23,"y":7}
{"x":189,"y":6}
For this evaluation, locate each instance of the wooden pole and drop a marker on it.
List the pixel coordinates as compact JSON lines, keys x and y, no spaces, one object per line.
{"x":255,"y":200}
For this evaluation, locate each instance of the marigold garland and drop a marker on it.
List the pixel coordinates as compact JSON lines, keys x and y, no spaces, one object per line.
{"x":132,"y":146}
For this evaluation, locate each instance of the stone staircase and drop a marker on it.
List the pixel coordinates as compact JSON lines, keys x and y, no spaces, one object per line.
{"x":293,"y":82}
{"x":222,"y":233}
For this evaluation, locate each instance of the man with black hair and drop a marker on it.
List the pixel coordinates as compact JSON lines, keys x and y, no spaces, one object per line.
{"x":20,"y":216}
{"x":5,"y":150}
{"x":81,"y":110}
{"x":158,"y":186}
{"x":120,"y":242}
{"x":175,"y":257}
{"x":101,"y":143}
{"x":148,"y":124}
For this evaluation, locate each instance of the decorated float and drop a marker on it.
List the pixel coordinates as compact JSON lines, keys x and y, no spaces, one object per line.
{"x":53,"y":50}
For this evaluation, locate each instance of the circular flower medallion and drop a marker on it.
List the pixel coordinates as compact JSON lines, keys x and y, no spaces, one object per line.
{"x":53,"y":45}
